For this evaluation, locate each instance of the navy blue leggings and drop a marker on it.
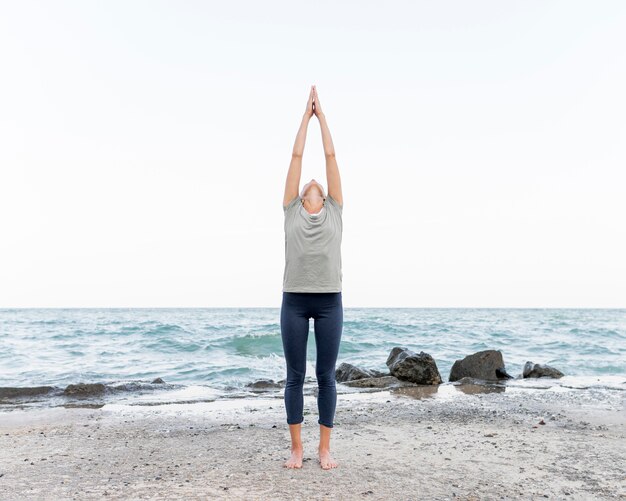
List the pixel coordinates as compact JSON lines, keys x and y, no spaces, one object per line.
{"x":326,"y":308}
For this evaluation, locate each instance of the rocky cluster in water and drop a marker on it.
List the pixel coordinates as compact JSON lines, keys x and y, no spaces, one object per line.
{"x":409,"y":368}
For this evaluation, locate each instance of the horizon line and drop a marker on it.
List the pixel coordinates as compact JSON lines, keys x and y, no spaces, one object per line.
{"x":3,"y":308}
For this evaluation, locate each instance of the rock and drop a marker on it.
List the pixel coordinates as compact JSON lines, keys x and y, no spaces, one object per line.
{"x":503,"y":374}
{"x":406,"y":365}
{"x":158,"y":381}
{"x":487,"y":365}
{"x":377,"y":382}
{"x":540,"y":370}
{"x":84,"y":389}
{"x":348,"y":372}
{"x":263,"y":385}
{"x":25,"y":391}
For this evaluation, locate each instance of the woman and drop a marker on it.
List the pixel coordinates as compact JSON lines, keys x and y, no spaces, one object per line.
{"x":312,"y":287}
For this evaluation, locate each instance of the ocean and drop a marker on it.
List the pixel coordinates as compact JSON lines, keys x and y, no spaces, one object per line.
{"x":212,"y":353}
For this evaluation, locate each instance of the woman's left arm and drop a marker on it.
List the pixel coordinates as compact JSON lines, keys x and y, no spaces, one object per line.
{"x":333,"y":179}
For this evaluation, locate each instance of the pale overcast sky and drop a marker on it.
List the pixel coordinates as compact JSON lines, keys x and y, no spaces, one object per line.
{"x":144,"y":149}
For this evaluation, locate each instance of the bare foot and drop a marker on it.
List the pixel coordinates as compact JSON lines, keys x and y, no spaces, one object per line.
{"x":295,"y":461}
{"x":326,"y":460}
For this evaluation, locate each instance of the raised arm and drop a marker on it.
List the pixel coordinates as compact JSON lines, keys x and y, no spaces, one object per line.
{"x":333,"y":179}
{"x":295,"y":167}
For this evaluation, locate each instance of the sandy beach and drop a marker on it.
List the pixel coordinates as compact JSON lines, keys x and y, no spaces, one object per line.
{"x":463,"y":441}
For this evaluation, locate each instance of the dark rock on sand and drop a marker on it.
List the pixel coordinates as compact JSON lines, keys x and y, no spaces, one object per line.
{"x":263,"y":385}
{"x":418,"y":368}
{"x":84,"y":389}
{"x":348,"y":372}
{"x":487,"y":365}
{"x":158,"y":381}
{"x":472,"y":386}
{"x":378,"y":382}
{"x":540,"y":370}
{"x":26,"y":391}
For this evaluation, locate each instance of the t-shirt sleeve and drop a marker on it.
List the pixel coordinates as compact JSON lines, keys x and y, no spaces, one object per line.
{"x":291,"y":204}
{"x":335,"y":203}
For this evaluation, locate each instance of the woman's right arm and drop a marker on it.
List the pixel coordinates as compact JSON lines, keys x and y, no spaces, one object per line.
{"x":295,"y":167}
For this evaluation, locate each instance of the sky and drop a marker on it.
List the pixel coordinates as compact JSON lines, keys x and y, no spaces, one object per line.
{"x":144,"y":147}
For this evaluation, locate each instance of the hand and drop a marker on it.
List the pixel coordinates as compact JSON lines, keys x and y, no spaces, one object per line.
{"x":309,"y":105}
{"x":317,"y":107}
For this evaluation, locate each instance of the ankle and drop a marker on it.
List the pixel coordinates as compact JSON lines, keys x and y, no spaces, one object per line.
{"x":323,"y":448}
{"x":296,"y":447}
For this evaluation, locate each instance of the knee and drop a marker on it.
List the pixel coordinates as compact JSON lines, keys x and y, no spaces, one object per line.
{"x":326,"y":379}
{"x":295,"y":379}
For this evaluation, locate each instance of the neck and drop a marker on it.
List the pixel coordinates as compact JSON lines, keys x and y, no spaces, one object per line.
{"x":313,"y":207}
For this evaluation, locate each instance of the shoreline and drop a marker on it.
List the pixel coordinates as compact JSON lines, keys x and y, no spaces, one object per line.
{"x":458,"y":442}
{"x":143,"y":392}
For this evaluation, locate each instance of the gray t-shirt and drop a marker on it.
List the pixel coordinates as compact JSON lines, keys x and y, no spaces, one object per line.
{"x":313,"y":248}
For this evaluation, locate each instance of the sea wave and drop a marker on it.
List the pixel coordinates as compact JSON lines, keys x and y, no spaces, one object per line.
{"x":190,"y":346}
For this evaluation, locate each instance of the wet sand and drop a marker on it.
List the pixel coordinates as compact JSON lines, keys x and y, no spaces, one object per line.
{"x":462,"y":442}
